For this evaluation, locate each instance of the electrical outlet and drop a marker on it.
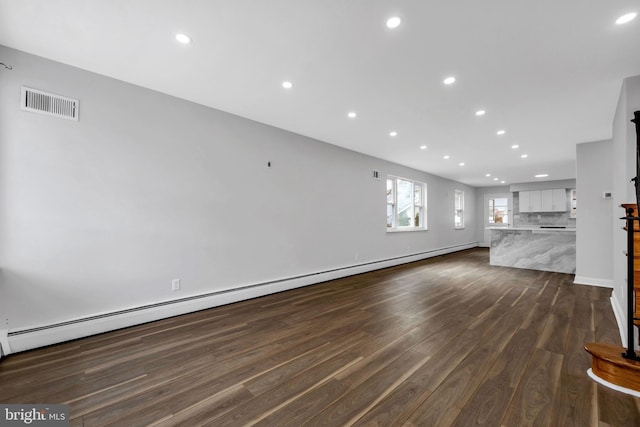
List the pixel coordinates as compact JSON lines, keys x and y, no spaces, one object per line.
{"x":175,"y":285}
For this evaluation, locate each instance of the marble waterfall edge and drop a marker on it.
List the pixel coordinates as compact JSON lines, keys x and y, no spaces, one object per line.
{"x":535,"y":249}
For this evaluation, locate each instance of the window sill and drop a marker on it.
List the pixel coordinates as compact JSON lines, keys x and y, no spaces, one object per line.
{"x":405,"y":230}
{"x":458,"y":228}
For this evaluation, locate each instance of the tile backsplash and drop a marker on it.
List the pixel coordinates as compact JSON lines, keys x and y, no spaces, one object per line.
{"x":544,"y":218}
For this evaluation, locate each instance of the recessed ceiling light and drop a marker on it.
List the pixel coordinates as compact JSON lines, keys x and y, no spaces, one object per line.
{"x":287,"y":85}
{"x":480,"y":113}
{"x":394,"y":22}
{"x":488,"y":174}
{"x":461,"y":164}
{"x":514,"y":146}
{"x":502,"y":182}
{"x":501,"y":132}
{"x":495,"y":179}
{"x":423,"y":147}
{"x":449,"y":80}
{"x":352,"y":114}
{"x":524,"y":156}
{"x":183,"y":38}
{"x":446,"y":157}
{"x":393,"y":133}
{"x":626,"y":18}
{"x":542,"y":175}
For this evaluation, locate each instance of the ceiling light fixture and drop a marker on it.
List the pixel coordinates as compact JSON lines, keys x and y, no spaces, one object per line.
{"x":183,"y":38}
{"x":502,"y":182}
{"x":446,"y":157}
{"x":449,"y":80}
{"x":626,"y":18}
{"x":394,"y":22}
{"x":423,"y":147}
{"x":393,"y":133}
{"x":480,"y":113}
{"x":488,"y":174}
{"x":461,"y":164}
{"x":495,"y":179}
{"x":542,"y":175}
{"x":287,"y":85}
{"x":514,"y":146}
{"x":524,"y":156}
{"x":352,"y":114}
{"x":501,"y":132}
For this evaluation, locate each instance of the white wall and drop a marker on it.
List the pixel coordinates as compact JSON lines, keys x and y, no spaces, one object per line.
{"x":594,"y":241}
{"x":624,"y":149}
{"x":100,"y":215}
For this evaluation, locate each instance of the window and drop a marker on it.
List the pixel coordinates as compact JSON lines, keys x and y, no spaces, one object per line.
{"x":458,"y":217}
{"x":405,"y":204}
{"x":499,"y":211}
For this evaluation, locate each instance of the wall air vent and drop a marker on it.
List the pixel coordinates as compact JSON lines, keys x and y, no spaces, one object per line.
{"x":38,"y":101}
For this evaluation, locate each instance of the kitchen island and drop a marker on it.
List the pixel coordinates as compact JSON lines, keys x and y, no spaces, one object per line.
{"x":535,"y":248}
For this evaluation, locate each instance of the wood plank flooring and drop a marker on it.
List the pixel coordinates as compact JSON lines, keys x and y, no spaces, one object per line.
{"x":449,"y":341}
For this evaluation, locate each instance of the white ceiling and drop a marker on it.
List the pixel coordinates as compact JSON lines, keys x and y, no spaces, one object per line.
{"x":549,"y":72}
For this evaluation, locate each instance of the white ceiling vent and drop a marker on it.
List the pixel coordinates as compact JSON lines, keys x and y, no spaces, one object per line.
{"x":38,"y":101}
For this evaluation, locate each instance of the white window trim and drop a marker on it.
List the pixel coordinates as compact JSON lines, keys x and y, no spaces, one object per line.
{"x":455,"y":209}
{"x":423,"y":205}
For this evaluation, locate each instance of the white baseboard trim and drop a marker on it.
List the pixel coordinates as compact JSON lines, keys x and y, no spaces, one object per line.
{"x":621,"y":319}
{"x":18,"y":340}
{"x":604,"y":283}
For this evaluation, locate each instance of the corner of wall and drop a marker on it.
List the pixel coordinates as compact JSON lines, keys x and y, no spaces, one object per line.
{"x":4,"y":343}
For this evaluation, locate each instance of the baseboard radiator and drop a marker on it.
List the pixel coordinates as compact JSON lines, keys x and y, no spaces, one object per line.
{"x":17,"y":340}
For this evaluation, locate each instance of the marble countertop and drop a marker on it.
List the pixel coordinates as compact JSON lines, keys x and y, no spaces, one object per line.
{"x":535,"y":248}
{"x":534,"y":228}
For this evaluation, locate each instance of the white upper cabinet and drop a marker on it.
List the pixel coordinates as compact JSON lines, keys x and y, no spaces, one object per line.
{"x":543,"y":200}
{"x":547,"y":201}
{"x":524,"y":201}
{"x":559,"y":200}
{"x":530,"y":201}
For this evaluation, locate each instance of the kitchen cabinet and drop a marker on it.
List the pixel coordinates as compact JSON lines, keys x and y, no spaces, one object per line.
{"x":554,"y":200}
{"x":530,"y":201}
{"x":559,"y":200}
{"x":523,"y":201}
{"x":547,"y":201}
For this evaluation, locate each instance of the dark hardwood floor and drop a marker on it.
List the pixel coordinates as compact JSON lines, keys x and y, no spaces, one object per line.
{"x":445,"y":341}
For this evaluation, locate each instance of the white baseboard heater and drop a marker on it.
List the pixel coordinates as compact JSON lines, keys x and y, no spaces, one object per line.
{"x":28,"y":338}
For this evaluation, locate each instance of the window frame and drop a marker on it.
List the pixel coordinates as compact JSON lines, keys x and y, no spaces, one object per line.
{"x":420,"y":205}
{"x":492,"y":211}
{"x":459,"y":209}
